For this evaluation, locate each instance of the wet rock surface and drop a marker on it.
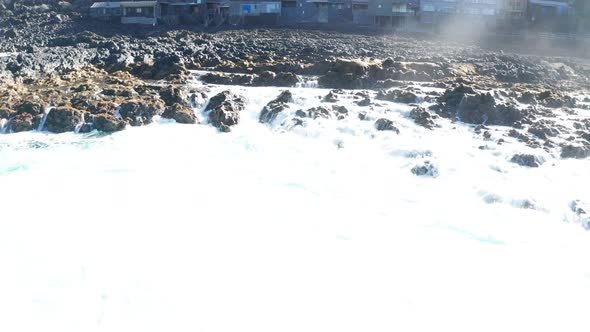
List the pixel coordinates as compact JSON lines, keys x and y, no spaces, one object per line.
{"x":116,"y":75}
{"x":180,"y":113}
{"x":223,"y":110}
{"x":427,"y":169}
{"x":527,"y":160}
{"x":272,"y":109}
{"x":63,"y":119}
{"x":578,"y":151}
{"x":386,"y":125}
{"x":107,"y":123}
{"x":423,"y":117}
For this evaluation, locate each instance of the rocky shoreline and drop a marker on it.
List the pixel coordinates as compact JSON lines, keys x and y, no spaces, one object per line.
{"x":61,"y":81}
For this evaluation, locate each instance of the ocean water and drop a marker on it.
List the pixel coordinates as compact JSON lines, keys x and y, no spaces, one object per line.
{"x":321,"y":227}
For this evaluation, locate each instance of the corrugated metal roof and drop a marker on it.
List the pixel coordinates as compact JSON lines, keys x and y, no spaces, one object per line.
{"x":549,"y":3}
{"x":138,"y":3}
{"x":106,"y":5}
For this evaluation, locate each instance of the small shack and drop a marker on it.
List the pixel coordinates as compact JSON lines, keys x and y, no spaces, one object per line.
{"x":106,"y":11}
{"x":291,"y":11}
{"x":315,"y":11}
{"x":217,"y":12}
{"x":139,"y":12}
{"x":183,"y":11}
{"x":340,"y":12}
{"x":554,"y":16}
{"x":255,"y":12}
{"x":388,"y":13}
{"x":360,"y":12}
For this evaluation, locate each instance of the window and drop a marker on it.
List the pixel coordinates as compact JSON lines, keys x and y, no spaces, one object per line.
{"x":138,"y":10}
{"x":428,"y":8}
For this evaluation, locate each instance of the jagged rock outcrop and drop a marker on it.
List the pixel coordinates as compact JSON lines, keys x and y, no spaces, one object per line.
{"x":223,"y":110}
{"x":272,"y":109}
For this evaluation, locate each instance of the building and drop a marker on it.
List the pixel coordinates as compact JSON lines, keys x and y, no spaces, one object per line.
{"x":462,"y":16}
{"x":254,"y":12}
{"x":582,"y":9}
{"x":183,"y":11}
{"x":217,"y":12}
{"x":106,"y":11}
{"x":553,"y":16}
{"x":435,"y":13}
{"x":360,"y":12}
{"x":393,"y":13}
{"x":514,"y":16}
{"x":340,"y":12}
{"x":515,"y":8}
{"x":139,"y":12}
{"x":291,"y":11}
{"x":315,"y":11}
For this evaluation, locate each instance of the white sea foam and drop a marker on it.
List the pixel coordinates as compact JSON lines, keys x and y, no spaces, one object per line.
{"x":321,"y":227}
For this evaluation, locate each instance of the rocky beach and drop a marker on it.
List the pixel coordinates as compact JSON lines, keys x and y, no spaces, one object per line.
{"x":110,"y":78}
{"x":451,"y":173}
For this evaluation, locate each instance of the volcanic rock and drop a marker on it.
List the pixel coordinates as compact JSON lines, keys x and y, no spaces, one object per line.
{"x":224,"y":110}
{"x":272,"y":109}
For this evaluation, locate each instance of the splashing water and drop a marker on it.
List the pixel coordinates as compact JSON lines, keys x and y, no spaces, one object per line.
{"x":44,"y":119}
{"x":79,"y":125}
{"x":321,"y":227}
{"x":3,"y":126}
{"x":308,"y":82}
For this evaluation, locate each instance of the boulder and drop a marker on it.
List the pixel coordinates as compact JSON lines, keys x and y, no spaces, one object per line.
{"x":426,"y":169}
{"x":340,"y":112}
{"x":286,"y":79}
{"x":331,"y":97}
{"x":581,"y":213}
{"x":314,"y":113}
{"x":173,"y":95}
{"x":226,"y":79}
{"x":272,"y":109}
{"x":478,"y":108}
{"x":482,"y":108}
{"x":553,"y":99}
{"x":453,"y":97}
{"x":544,"y":129}
{"x":21,"y":122}
{"x":575,"y":151}
{"x":108,"y":123}
{"x":345,"y":74}
{"x":282,"y":79}
{"x":10,"y":34}
{"x":165,"y":66}
{"x":30,"y":108}
{"x":139,"y":113}
{"x":527,"y":160}
{"x":63,"y":119}
{"x":224,"y":110}
{"x":180,"y":113}
{"x":398,"y":96}
{"x":265,"y":78}
{"x":364,"y":102}
{"x":386,"y":125}
{"x":6,"y":113}
{"x":423,"y":118}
